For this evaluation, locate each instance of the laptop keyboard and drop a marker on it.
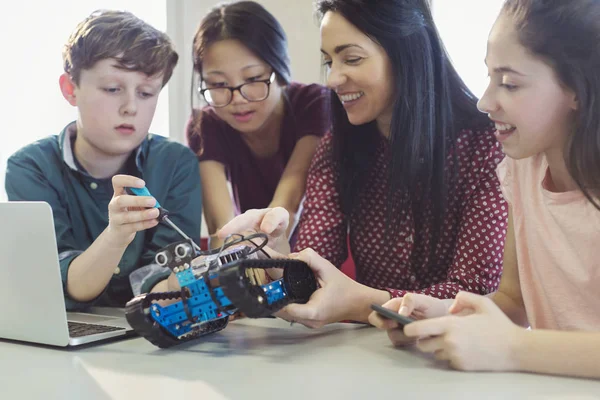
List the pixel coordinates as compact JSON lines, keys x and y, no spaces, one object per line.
{"x":79,"y":329}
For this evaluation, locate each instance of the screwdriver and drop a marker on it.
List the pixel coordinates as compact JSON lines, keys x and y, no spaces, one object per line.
{"x":163,"y":213}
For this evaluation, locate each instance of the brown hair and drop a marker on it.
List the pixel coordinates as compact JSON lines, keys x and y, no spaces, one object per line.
{"x":136,"y":45}
{"x":566,"y":35}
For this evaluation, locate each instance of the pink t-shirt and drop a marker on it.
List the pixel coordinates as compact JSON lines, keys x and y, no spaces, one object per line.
{"x":557,"y":239}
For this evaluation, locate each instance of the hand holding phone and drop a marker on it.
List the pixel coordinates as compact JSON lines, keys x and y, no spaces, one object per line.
{"x":389,"y":314}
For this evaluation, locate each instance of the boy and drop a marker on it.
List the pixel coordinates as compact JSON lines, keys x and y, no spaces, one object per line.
{"x":115,"y":67}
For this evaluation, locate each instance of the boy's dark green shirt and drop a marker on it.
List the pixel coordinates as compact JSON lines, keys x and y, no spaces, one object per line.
{"x":48,"y":171}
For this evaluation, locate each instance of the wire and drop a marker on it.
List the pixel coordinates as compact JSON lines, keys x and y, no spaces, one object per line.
{"x":258,"y":248}
{"x":241,"y":238}
{"x":226,"y":243}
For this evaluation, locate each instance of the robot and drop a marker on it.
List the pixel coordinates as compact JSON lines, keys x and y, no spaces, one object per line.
{"x":214,"y":285}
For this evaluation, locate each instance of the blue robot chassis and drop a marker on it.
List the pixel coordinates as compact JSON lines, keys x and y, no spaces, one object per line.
{"x":214,"y":286}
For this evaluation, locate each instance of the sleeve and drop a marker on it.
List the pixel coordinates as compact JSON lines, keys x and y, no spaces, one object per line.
{"x":25,"y":181}
{"x":505,"y":176}
{"x":311,"y":111}
{"x":323,"y":226}
{"x":184,"y":202}
{"x":205,"y":136}
{"x":478,"y":255}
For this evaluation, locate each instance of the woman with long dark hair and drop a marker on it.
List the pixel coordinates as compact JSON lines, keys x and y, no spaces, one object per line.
{"x":407,"y":174}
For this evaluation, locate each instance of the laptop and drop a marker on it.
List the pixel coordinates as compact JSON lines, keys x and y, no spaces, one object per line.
{"x":31,"y":292}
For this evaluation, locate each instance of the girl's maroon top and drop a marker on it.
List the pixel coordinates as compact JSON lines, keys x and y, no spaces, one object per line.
{"x":255,"y":179}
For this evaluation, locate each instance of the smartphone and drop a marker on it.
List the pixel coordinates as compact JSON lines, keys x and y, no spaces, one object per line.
{"x":389,"y":314}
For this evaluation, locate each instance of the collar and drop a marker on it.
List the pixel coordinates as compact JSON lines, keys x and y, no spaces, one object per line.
{"x":70,"y":131}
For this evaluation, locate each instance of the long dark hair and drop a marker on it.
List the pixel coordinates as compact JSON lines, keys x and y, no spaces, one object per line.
{"x":432,"y":105}
{"x":566,"y":35}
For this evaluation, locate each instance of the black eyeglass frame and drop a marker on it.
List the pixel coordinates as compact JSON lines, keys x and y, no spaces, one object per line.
{"x":267,"y":81}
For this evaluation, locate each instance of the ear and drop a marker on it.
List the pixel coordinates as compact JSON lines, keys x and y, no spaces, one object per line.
{"x":573,"y":101}
{"x":67,"y":88}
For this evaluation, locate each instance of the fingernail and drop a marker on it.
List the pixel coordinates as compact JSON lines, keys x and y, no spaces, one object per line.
{"x":150,"y":202}
{"x":403,"y":311}
{"x":140,"y":182}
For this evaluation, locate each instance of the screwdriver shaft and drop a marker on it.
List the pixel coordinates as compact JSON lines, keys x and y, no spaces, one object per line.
{"x":183,"y":235}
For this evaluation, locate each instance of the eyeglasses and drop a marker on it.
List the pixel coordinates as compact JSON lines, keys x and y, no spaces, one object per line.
{"x":251,"y":91}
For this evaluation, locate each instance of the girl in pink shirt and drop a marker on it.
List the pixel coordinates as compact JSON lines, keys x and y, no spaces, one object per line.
{"x":543,"y":59}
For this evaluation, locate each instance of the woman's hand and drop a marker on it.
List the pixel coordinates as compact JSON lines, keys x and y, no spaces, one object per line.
{"x":338,"y":298}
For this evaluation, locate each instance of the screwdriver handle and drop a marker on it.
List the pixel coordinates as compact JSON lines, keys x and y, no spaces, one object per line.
{"x":162,"y":212}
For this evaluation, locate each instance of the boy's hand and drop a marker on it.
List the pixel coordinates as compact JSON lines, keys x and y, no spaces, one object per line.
{"x":413,"y":305}
{"x":129,"y":214}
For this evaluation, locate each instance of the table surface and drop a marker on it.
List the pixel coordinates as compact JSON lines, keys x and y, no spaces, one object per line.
{"x":263,"y":359}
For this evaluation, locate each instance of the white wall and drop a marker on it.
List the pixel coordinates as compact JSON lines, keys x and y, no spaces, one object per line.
{"x":464,"y":26}
{"x":31,"y":39}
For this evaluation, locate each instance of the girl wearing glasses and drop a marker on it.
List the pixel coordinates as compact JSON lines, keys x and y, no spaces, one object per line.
{"x":408,"y":171}
{"x":259,"y":130}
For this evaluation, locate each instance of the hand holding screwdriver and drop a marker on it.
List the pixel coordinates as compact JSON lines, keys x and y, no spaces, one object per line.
{"x":163,"y":213}
{"x":128,"y":215}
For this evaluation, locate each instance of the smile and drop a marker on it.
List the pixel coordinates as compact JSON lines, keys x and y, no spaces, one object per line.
{"x":504,"y":128}
{"x":350,"y":97}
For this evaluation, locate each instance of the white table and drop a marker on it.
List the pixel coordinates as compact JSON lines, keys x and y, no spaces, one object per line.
{"x":263,"y":359}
